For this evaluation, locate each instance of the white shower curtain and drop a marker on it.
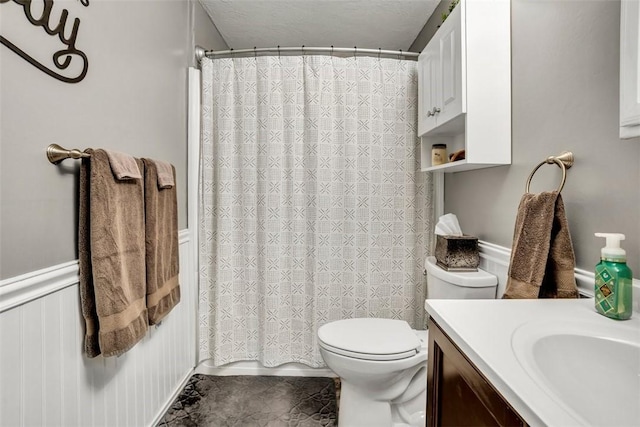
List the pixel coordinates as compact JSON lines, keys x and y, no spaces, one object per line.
{"x":312,"y":204}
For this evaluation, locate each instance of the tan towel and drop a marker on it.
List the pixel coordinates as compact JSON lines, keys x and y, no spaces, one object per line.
{"x":542,"y":261}
{"x":111,"y":257}
{"x":123,"y":165}
{"x":165,"y":174}
{"x":161,"y":213}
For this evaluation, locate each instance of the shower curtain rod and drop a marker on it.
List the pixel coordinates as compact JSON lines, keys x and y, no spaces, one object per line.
{"x":201,"y":52}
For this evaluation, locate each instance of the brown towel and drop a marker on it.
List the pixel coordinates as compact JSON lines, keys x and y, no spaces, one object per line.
{"x":123,"y":165}
{"x":111,"y":257}
{"x":165,"y":174}
{"x":542,"y":262}
{"x":161,"y":241}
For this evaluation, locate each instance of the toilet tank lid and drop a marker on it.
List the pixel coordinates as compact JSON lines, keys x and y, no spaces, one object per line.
{"x":474,"y":279}
{"x":370,"y":336}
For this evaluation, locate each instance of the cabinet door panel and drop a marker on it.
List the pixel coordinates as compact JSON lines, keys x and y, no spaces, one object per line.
{"x":450,"y":99}
{"x":428,"y":93}
{"x":447,"y":53}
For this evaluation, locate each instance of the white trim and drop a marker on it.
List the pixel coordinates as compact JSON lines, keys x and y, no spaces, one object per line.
{"x":36,"y":284}
{"x":167,"y":404}
{"x":28,"y":287}
{"x":193,"y":174}
{"x":193,"y":157}
{"x":438,"y":189}
{"x":184,"y":236}
{"x":492,"y":252}
{"x":585,"y":280}
{"x":251,"y":367}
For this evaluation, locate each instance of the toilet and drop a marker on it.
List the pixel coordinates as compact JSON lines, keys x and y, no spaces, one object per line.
{"x":382,"y":363}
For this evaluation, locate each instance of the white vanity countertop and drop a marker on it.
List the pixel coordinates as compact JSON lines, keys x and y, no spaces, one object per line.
{"x":483,"y":330}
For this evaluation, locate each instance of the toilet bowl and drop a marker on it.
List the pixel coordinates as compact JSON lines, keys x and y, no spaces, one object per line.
{"x":383,"y":362}
{"x":383,"y":367}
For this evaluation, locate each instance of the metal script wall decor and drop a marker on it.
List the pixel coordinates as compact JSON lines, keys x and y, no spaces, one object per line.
{"x":62,"y":58}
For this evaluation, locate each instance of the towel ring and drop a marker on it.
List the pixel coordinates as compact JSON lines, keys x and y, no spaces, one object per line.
{"x":564,"y":161}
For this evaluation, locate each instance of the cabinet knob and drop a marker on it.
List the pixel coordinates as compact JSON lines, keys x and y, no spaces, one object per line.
{"x":433,"y":112}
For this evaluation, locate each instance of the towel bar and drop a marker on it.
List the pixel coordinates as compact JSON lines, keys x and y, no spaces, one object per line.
{"x":56,"y":154}
{"x":564,"y":161}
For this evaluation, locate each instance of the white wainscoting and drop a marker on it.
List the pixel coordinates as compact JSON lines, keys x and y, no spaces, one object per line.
{"x":45,"y":379}
{"x":495,"y":259}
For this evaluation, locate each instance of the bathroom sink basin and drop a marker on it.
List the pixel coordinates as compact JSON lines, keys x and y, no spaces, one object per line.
{"x":591,"y":370}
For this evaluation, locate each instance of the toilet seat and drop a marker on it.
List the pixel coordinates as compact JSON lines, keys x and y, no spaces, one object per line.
{"x":370,"y":339}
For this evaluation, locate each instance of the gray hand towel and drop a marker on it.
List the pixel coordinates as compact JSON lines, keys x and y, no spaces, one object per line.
{"x":542,"y":259}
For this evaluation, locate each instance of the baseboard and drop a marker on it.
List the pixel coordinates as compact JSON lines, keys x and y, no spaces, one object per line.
{"x":255,"y":368}
{"x":171,"y":398}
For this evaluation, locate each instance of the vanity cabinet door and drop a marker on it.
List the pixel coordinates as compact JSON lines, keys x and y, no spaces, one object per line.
{"x":457,"y":393}
{"x":629,"y":72}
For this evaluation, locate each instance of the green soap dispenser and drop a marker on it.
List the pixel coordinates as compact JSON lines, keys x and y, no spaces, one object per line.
{"x":613,"y":289}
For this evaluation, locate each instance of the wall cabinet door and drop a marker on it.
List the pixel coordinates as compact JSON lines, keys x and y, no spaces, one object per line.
{"x":428,"y":70}
{"x":450,"y":72}
{"x":440,"y":76}
{"x":629,"y":71}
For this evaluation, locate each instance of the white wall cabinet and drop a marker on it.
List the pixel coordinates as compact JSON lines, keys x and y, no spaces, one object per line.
{"x":464,"y":86}
{"x":629,"y":72}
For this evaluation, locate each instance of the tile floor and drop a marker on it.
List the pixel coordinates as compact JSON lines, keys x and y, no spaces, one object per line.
{"x":248,"y":401}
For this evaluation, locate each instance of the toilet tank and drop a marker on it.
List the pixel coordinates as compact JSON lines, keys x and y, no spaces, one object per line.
{"x":442,"y":284}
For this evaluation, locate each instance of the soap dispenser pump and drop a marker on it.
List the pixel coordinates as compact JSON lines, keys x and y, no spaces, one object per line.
{"x":613,"y":287}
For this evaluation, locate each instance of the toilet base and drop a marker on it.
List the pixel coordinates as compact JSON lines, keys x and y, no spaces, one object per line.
{"x":359,"y":410}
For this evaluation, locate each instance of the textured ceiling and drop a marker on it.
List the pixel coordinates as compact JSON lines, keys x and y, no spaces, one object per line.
{"x":386,"y":24}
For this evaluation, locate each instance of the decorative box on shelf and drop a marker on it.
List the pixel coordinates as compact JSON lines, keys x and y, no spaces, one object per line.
{"x":457,"y":253}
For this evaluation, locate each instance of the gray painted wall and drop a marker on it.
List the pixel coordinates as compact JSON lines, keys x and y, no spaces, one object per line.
{"x":565,"y":96}
{"x":205,"y":34}
{"x":133,"y":99}
{"x":430,"y":27}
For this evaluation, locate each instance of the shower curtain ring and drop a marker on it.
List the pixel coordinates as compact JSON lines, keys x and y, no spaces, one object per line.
{"x":400,"y":55}
{"x":255,"y":53}
{"x":355,"y":49}
{"x":331,"y":50}
{"x":303,"y":52}
{"x":379,"y":52}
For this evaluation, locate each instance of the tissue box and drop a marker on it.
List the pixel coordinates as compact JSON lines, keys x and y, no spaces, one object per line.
{"x":457,"y":253}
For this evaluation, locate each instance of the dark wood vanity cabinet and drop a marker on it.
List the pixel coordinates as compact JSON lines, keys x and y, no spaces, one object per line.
{"x":457,"y":393}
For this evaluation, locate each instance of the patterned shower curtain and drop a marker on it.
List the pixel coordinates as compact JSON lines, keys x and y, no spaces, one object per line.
{"x":313,"y":207}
